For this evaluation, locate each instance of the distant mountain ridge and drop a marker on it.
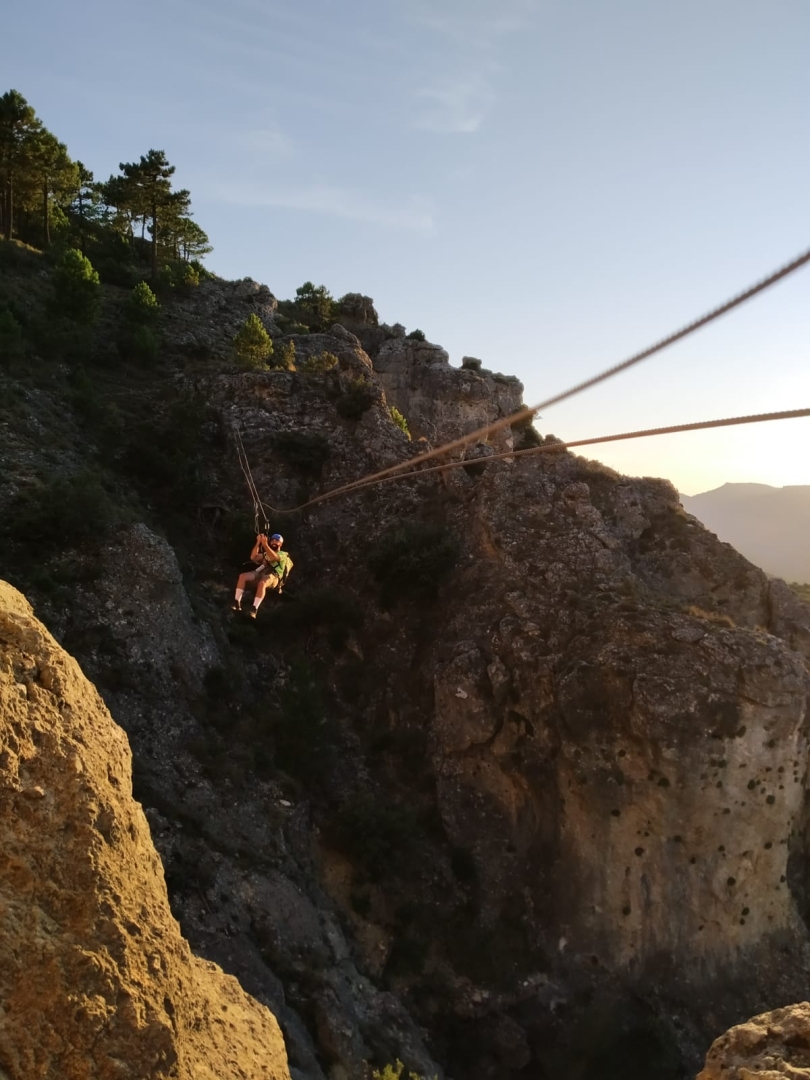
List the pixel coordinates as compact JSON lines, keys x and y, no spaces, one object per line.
{"x":768,"y":525}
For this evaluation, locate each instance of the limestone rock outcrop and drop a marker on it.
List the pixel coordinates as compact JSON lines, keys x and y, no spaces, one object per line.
{"x":442,"y":402}
{"x":202,"y":323}
{"x":96,"y":980}
{"x":774,"y":1046}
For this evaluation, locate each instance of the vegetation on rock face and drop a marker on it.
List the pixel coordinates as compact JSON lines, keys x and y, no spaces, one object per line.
{"x":48,"y":198}
{"x":416,"y":335}
{"x":413,"y":560}
{"x":399,"y":420}
{"x":285,"y":357}
{"x":395,"y":1072}
{"x":253,"y":345}
{"x":12,"y":342}
{"x":63,"y":513}
{"x":76,"y":288}
{"x":358,"y":396}
{"x":314,"y":305}
{"x":802,"y":591}
{"x":318,"y":364}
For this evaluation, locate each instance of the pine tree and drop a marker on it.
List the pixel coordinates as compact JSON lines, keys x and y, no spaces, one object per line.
{"x":54,"y":172}
{"x":77,"y":288}
{"x":86,"y":199}
{"x":19,"y":130}
{"x":151,"y":177}
{"x":252,"y":344}
{"x":314,"y":305}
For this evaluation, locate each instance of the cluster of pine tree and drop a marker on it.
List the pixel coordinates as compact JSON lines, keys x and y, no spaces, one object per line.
{"x":130,"y":222}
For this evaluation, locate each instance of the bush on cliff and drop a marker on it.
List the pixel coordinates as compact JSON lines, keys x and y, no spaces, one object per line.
{"x":316,"y":365}
{"x":63,"y":513}
{"x":395,"y":1072}
{"x":413,"y":560}
{"x":76,"y":288}
{"x":357,"y":397}
{"x":400,"y":420}
{"x":284,"y":359}
{"x":142,"y":306}
{"x":253,"y":345}
{"x":12,"y":343}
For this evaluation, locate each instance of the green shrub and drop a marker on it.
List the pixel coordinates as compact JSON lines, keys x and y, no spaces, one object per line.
{"x":413,"y":560}
{"x":416,"y":335}
{"x":203,"y":274}
{"x":802,"y":591}
{"x":314,"y":305}
{"x":163,"y":455}
{"x":321,"y":362}
{"x":395,"y":1072}
{"x":99,"y":417}
{"x":188,"y":276}
{"x":253,"y":345}
{"x":142,"y":305}
{"x":284,"y":359}
{"x":357,"y":397}
{"x":12,"y":341}
{"x":526,"y":436}
{"x":64,"y":513}
{"x":400,"y":420}
{"x":76,"y":288}
{"x":143,"y":344}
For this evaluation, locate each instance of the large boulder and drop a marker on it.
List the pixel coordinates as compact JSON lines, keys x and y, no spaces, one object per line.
{"x":95,"y":978}
{"x":774,"y":1046}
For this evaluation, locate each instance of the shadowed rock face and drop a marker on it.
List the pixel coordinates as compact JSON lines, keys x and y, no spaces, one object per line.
{"x":95,"y":978}
{"x":774,"y":1046}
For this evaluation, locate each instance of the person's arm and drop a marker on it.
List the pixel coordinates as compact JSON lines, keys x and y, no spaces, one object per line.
{"x":272,"y":557}
{"x":256,"y":553}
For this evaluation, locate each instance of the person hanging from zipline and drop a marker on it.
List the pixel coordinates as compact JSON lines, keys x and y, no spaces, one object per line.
{"x":273,"y":566}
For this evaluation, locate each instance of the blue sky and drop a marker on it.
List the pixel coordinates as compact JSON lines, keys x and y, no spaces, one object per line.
{"x":547,"y":186}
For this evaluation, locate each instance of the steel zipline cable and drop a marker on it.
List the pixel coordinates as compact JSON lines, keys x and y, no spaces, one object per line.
{"x":527,"y":412}
{"x":555,"y":446}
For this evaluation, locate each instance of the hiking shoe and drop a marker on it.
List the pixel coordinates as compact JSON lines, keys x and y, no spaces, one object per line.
{"x":235,"y":605}
{"x":252,"y":613}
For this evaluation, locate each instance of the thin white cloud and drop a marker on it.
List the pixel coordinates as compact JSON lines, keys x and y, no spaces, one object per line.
{"x":458,"y":105}
{"x":270,"y":142}
{"x":459,"y":101}
{"x":412,"y":215}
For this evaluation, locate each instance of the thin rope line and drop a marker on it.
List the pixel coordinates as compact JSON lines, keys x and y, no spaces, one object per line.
{"x":254,"y":493}
{"x":528,"y":411}
{"x":549,"y":448}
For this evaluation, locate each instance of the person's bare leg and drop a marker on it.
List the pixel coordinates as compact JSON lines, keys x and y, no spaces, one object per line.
{"x":241,"y":584}
{"x":261,"y":589}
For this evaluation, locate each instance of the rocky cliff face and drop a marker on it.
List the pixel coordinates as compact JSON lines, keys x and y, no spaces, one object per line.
{"x":95,"y":977}
{"x":512,"y":781}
